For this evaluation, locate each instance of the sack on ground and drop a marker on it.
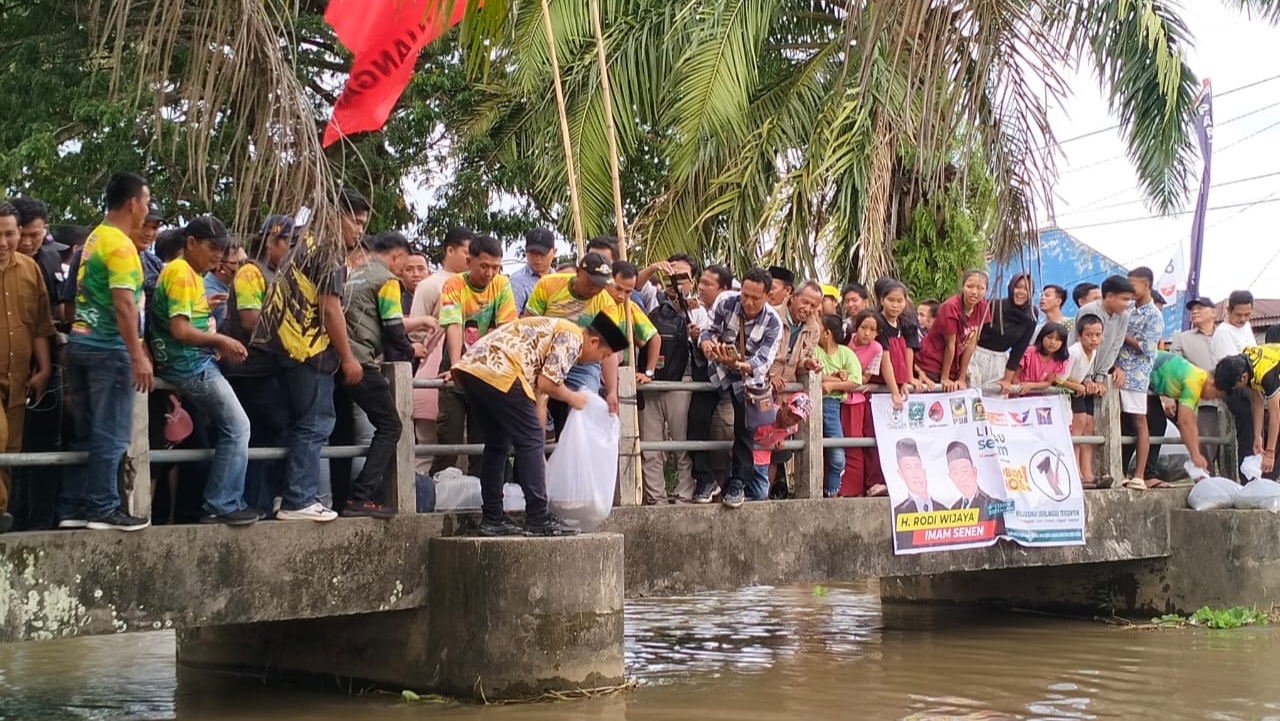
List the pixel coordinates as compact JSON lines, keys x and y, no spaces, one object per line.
{"x":1263,"y":495}
{"x":425,"y":492}
{"x":462,"y":493}
{"x":583,"y":470}
{"x":1212,"y":494}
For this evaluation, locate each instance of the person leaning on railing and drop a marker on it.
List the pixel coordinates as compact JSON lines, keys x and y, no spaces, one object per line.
{"x":1257,"y":372}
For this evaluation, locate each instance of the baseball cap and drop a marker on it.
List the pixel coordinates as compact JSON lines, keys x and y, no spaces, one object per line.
{"x":539,"y":240}
{"x":206,"y":227}
{"x":154,"y":212}
{"x":1191,"y":304}
{"x":278,"y":226}
{"x":598,"y":269}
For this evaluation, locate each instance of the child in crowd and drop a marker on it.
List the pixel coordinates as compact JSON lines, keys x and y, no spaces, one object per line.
{"x":1045,"y":362}
{"x":769,"y":438}
{"x":900,"y":339}
{"x":841,"y":374}
{"x":944,"y":355}
{"x":1079,"y":380}
{"x":855,"y":411}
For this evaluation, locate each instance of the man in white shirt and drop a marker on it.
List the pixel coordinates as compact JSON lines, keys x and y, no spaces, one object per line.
{"x":1232,"y":336}
{"x":426,"y":303}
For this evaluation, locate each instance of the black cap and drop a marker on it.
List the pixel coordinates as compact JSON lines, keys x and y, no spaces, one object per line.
{"x":278,"y":226}
{"x":777,"y":272}
{"x":539,"y":240}
{"x":1191,"y":304}
{"x":206,"y":227}
{"x":598,"y":269}
{"x":608,"y":330}
{"x":154,"y":212}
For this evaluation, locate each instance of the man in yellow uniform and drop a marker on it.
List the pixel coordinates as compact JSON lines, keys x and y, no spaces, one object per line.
{"x":1257,"y":369}
{"x":500,"y":374}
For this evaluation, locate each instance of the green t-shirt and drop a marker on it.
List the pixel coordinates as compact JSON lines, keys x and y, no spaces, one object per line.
{"x":109,"y":261}
{"x":842,"y":360}
{"x":179,"y":292}
{"x":1173,"y":376}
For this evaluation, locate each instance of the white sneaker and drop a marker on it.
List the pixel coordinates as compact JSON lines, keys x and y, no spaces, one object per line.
{"x":315,"y":512}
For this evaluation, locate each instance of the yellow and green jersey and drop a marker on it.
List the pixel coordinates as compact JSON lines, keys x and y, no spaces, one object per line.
{"x":179,"y":292}
{"x":109,"y":261}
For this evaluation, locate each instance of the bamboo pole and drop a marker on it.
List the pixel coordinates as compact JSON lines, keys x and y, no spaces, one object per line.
{"x":610,"y":131}
{"x":628,"y":473}
{"x":574,"y":208}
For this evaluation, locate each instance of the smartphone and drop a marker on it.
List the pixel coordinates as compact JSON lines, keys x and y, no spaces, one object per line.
{"x":730,"y":353}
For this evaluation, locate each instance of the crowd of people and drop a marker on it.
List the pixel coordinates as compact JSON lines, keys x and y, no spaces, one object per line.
{"x":281,"y":343}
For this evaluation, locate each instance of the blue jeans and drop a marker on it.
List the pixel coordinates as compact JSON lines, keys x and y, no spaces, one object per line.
{"x":758,"y":487}
{"x":102,"y":398}
{"x":585,"y":377}
{"x":835,"y":456}
{"x":311,"y":410}
{"x":212,"y":395}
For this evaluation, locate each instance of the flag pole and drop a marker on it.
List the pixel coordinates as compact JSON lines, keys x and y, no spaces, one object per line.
{"x":1204,"y":134}
{"x":574,"y":207}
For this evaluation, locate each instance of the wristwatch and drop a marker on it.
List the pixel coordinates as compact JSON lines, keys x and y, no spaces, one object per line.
{"x":648,"y":374}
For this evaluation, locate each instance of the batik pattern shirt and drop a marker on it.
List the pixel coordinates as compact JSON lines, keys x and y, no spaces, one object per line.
{"x":109,"y":262}
{"x":179,"y":292}
{"x":1146,"y":324}
{"x":521,"y":351}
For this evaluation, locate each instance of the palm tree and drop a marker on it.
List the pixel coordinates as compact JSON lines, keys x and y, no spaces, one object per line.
{"x":811,"y":130}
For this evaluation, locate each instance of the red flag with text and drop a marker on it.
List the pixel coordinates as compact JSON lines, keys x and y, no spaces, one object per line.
{"x":385,"y":36}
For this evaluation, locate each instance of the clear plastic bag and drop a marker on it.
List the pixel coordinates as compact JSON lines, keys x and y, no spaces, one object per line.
{"x":1212,"y":494}
{"x":1251,"y":467}
{"x":1263,"y":495}
{"x":583,"y":470}
{"x":456,"y":492}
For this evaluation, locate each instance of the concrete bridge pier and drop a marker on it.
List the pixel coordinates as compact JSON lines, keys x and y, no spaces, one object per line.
{"x":505,"y":618}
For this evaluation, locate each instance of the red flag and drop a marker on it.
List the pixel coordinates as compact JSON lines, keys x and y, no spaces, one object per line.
{"x":385,"y":36}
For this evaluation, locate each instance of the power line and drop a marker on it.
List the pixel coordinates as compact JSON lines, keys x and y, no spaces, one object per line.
{"x":1172,"y":215}
{"x":1087,"y":207}
{"x":1222,"y":94}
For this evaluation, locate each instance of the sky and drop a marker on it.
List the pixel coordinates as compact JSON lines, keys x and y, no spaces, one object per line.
{"x":1097,"y":198}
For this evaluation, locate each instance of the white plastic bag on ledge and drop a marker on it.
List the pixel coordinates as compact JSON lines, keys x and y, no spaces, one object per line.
{"x":1213,"y":494}
{"x":457,"y":492}
{"x":583,"y":470}
{"x":1251,"y":467}
{"x":1194,"y":472}
{"x":1263,"y":495}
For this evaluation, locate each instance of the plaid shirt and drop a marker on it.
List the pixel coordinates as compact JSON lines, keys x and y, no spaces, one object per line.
{"x":760,"y":334}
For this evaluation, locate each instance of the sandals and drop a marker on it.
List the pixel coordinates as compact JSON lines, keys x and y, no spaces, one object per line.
{"x":877,"y":491}
{"x":1134,"y":484}
{"x":1155,"y":483}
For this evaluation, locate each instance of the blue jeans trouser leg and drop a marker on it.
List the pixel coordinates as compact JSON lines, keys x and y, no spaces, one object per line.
{"x":835,"y":456}
{"x":102,"y":400}
{"x":311,"y":410}
{"x":758,"y":486}
{"x":212,"y":394}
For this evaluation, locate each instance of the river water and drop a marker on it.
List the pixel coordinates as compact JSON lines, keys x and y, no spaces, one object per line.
{"x":763,"y":653}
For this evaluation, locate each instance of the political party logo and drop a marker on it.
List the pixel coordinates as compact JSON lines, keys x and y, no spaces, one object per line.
{"x":1020,"y":419}
{"x":896,"y":419}
{"x":997,"y":418}
{"x":1050,"y":474}
{"x":915,"y":414}
{"x":959,"y":411}
{"x":1044,"y":416}
{"x":935,"y":412}
{"x":979,"y":411}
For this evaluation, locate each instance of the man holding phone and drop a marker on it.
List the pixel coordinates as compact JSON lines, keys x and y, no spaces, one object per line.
{"x":740,"y":343}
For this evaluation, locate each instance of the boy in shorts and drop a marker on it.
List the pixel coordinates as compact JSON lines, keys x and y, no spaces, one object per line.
{"x":1088,"y":328}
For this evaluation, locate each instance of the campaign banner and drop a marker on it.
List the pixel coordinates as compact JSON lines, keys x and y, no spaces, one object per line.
{"x":1031,"y":443}
{"x":945,"y":482}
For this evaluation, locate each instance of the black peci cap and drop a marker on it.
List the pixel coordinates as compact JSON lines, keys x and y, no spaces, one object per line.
{"x":609,"y":331}
{"x":777,"y":272}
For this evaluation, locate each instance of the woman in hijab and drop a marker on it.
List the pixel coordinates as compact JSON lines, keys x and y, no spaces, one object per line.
{"x":1005,"y":338}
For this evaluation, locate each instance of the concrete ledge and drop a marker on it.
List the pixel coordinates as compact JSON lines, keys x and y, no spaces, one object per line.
{"x":95,"y":582}
{"x":686,"y":549}
{"x":1220,"y":559}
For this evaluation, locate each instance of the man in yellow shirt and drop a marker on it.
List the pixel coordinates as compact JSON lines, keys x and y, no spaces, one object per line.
{"x":500,"y":374}
{"x":106,"y":362}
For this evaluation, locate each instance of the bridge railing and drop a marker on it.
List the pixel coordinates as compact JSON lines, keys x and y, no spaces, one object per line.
{"x":135,"y":468}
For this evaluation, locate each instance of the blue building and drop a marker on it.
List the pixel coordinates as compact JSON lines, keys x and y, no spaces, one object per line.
{"x":1065,"y":260}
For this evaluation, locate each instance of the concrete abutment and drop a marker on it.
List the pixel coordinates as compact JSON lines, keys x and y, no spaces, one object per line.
{"x":502,"y":621}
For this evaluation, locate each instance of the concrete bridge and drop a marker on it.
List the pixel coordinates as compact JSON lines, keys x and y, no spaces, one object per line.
{"x":397,"y":603}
